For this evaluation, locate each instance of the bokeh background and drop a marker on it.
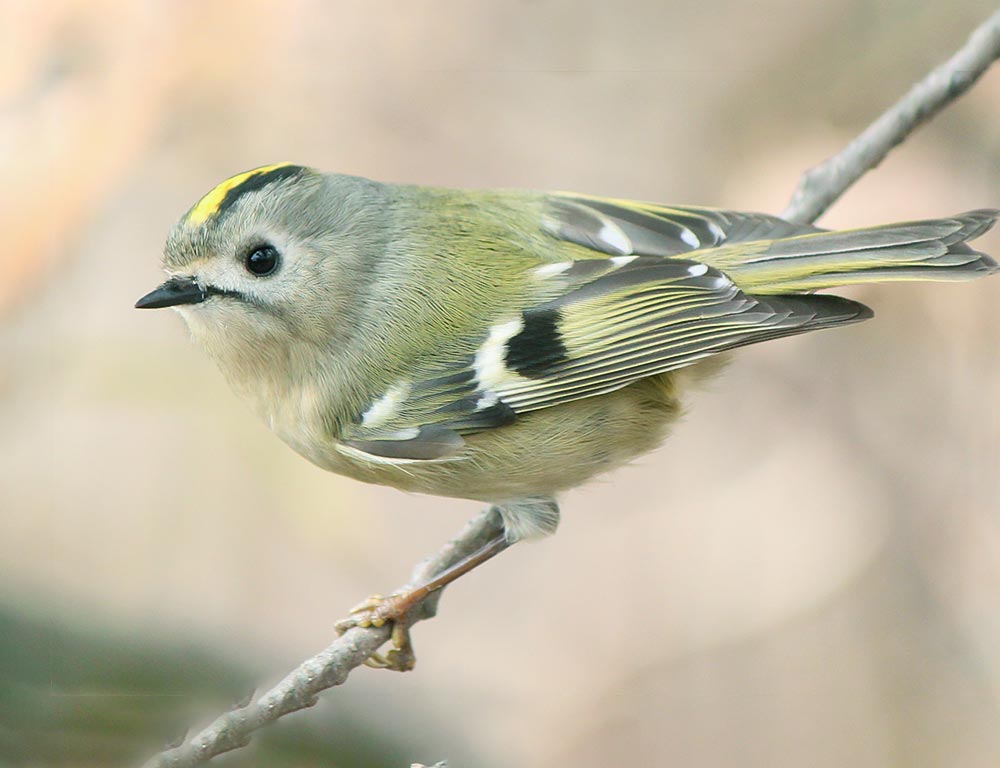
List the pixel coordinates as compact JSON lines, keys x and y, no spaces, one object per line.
{"x":805,"y":574}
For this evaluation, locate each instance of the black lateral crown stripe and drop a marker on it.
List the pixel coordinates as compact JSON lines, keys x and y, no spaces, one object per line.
{"x":258,"y":181}
{"x":538,"y":346}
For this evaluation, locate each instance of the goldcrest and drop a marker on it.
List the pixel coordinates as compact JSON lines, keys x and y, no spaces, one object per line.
{"x":503,"y":346}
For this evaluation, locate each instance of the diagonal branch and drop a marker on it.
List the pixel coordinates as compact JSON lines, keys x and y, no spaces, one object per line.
{"x":818,"y":189}
{"x":300,"y":688}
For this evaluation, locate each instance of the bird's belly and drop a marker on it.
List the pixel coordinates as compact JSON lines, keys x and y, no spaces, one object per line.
{"x":542,"y":453}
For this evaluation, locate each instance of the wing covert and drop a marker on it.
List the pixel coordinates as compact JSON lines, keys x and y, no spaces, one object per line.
{"x":626,"y":227}
{"x":613,"y":321}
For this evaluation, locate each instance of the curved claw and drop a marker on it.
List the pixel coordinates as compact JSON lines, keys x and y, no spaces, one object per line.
{"x":403,"y":608}
{"x":377,"y":611}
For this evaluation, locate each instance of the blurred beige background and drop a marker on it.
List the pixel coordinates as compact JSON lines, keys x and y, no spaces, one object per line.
{"x":806,"y":574}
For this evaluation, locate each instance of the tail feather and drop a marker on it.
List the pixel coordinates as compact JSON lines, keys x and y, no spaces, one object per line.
{"x":935,"y":249}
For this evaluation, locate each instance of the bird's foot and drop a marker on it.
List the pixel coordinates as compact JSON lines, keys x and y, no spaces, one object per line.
{"x":377,"y":611}
{"x":410,"y":605}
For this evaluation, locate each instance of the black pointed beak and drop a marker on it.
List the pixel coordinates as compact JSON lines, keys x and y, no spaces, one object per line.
{"x":177,"y":290}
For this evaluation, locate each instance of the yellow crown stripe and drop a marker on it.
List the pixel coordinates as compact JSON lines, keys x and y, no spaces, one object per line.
{"x":209,"y":205}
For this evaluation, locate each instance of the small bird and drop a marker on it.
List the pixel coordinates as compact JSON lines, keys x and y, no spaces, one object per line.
{"x":502,"y":345}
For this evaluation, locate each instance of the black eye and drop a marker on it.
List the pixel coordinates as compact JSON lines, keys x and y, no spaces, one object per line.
{"x":262,"y":260}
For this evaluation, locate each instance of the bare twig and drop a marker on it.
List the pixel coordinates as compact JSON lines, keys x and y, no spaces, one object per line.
{"x":331,"y":667}
{"x":820,"y":187}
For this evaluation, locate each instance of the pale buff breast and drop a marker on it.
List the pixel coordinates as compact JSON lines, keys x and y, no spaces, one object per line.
{"x":541,"y":454}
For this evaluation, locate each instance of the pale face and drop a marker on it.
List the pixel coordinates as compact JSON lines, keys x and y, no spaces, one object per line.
{"x":252,"y":260}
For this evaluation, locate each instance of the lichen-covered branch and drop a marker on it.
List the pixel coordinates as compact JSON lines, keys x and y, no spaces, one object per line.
{"x":818,"y":189}
{"x":300,"y":688}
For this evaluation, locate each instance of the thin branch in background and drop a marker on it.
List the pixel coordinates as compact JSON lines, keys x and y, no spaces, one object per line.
{"x":819,"y":188}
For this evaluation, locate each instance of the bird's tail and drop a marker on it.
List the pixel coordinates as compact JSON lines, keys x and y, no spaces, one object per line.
{"x":934,"y":249}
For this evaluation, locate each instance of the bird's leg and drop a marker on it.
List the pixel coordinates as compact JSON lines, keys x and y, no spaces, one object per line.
{"x":400,"y":608}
